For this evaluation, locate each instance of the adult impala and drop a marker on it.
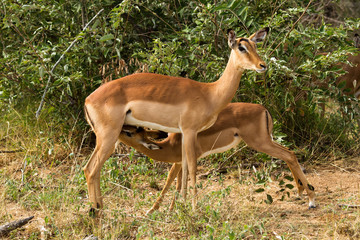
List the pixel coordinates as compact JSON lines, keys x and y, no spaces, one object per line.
{"x":170,"y":104}
{"x":352,"y":77}
{"x":251,"y":123}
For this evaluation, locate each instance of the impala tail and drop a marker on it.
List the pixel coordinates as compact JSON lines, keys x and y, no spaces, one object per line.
{"x":88,"y":119}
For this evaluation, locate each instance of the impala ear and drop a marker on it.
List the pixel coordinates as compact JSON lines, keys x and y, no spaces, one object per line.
{"x":357,"y":40}
{"x":231,"y":38}
{"x":260,"y":35}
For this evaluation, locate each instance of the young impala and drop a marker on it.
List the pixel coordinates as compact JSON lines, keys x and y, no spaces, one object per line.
{"x":170,"y":104}
{"x":251,"y":123}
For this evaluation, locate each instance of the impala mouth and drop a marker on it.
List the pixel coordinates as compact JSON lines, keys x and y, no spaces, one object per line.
{"x":261,"y":70}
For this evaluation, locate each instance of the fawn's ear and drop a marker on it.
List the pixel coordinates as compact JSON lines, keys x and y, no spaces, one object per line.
{"x":260,"y":35}
{"x":357,"y":40}
{"x":156,"y":134}
{"x":231,"y":38}
{"x":151,"y":146}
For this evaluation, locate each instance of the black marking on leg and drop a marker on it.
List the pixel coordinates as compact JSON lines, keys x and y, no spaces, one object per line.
{"x":97,"y":205}
{"x":311,"y":187}
{"x":312,"y":207}
{"x":267,"y":121}
{"x":300,"y":183}
{"x":128,"y":112}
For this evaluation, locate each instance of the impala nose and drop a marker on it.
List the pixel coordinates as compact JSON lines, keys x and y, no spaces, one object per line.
{"x":262,"y":69}
{"x":263,"y":66}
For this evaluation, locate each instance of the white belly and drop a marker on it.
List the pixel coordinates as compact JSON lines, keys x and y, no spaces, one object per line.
{"x":130,"y":120}
{"x":233,"y":144}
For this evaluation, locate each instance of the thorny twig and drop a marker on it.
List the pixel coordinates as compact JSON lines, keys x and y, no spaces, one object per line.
{"x":58,"y":61}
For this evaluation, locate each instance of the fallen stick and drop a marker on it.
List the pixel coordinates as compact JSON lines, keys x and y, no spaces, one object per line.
{"x":7,"y":228}
{"x":349,"y":206}
{"x":11,"y":151}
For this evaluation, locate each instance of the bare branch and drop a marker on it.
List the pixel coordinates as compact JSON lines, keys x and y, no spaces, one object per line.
{"x":7,"y":228}
{"x":58,"y":61}
{"x":292,"y":27}
{"x":11,"y":151}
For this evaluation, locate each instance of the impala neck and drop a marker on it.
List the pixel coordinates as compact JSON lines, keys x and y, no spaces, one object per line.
{"x":225,"y":88}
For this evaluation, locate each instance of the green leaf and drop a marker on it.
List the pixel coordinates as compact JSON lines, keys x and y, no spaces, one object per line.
{"x":289,"y":186}
{"x":241,"y":10}
{"x":180,"y":52}
{"x":261,"y":182}
{"x":335,"y":68}
{"x":220,"y":7}
{"x":106,"y":38}
{"x":342,"y":84}
{"x":249,"y":23}
{"x":232,"y":5}
{"x":259,"y":190}
{"x":309,"y":54}
{"x":269,"y":199}
{"x":289,"y":178}
{"x":41,"y":71}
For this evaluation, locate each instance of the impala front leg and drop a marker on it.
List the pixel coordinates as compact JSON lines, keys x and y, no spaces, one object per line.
{"x":178,"y":188}
{"x":175,"y":169}
{"x":189,"y":142}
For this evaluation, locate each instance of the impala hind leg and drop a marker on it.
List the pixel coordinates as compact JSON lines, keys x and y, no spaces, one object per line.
{"x":276,"y":150}
{"x":184,"y":170}
{"x":105,"y":145}
{"x":178,"y":189}
{"x":175,"y":169}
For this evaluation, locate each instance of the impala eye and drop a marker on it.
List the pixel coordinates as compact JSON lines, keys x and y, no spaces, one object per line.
{"x":242,"y":49}
{"x":128,"y":133}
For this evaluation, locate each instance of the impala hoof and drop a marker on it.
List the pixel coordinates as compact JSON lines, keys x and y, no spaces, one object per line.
{"x":312,"y":205}
{"x":150,"y":211}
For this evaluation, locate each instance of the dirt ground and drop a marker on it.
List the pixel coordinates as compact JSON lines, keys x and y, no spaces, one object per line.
{"x":337,"y":215}
{"x":338,"y":204}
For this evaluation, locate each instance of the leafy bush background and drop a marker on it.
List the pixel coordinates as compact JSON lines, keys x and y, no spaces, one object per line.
{"x":182,"y":38}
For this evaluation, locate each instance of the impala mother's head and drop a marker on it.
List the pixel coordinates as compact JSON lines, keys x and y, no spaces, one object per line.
{"x":243,"y":50}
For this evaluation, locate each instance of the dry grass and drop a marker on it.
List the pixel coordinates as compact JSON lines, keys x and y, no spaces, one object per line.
{"x":46,"y":180}
{"x":228,"y":208}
